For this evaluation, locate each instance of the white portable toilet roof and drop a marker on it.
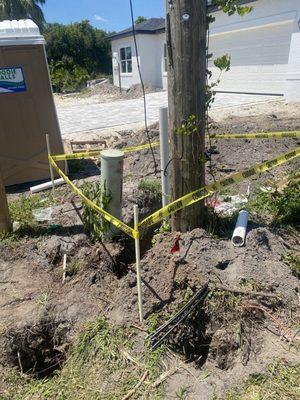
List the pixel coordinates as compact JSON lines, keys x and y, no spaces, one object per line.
{"x":23,"y":31}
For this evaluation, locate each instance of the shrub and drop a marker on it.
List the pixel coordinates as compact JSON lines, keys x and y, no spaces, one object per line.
{"x":93,"y":222}
{"x":282,"y":207}
{"x":152,"y":188}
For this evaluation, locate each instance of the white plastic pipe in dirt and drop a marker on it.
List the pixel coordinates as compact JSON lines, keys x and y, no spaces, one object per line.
{"x":50,"y":166}
{"x":64,"y":268}
{"x":164,"y":153}
{"x":46,"y":185}
{"x":138,"y":265}
{"x":239,"y":234}
{"x":112,"y":182}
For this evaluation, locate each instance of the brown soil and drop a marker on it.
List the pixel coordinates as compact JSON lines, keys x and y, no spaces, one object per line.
{"x":39,"y":315}
{"x":103,"y":93}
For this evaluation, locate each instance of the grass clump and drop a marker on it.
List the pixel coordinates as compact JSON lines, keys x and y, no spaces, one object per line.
{"x":219,"y":225}
{"x":293,"y":261}
{"x":96,"y":368}
{"x":281,"y":206}
{"x":21,"y":209}
{"x":280,"y":382}
{"x":152,"y":189}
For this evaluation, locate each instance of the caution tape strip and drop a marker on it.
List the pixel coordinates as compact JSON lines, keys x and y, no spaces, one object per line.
{"x":268,"y":135}
{"x":116,"y":222}
{"x":208,"y":190}
{"x":96,"y":153}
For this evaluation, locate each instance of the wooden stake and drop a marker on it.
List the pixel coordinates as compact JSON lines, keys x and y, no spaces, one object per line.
{"x":50,"y":166}
{"x":64,"y":268}
{"x":138,"y":265}
{"x":186,"y":42}
{"x":5,"y":221}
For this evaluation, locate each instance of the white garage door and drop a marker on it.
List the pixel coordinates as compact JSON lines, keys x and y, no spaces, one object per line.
{"x":259,"y":58}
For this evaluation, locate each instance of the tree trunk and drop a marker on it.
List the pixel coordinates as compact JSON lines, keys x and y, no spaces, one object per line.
{"x":5,"y":221}
{"x":186,"y":43}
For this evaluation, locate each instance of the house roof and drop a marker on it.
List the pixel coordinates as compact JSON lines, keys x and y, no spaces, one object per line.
{"x":149,"y":27}
{"x":153,"y":26}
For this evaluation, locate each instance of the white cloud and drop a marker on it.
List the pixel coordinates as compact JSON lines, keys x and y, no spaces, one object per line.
{"x":99,"y":18}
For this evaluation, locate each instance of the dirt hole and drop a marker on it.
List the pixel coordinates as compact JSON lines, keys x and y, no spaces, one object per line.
{"x":38,"y":350}
{"x":192,"y":339}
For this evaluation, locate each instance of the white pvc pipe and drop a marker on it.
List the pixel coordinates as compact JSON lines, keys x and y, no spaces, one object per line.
{"x":64,"y":268}
{"x":138,"y":265}
{"x":164,"y":153}
{"x":47,"y":185}
{"x":112,"y":162}
{"x":239,"y":234}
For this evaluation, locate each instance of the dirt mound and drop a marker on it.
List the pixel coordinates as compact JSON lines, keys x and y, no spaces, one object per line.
{"x":235,"y":333}
{"x":136,"y":91}
{"x":105,"y":88}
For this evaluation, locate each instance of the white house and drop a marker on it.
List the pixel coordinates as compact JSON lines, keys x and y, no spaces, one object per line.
{"x":264,"y":47}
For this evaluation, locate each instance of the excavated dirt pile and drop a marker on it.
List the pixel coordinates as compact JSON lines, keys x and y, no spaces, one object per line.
{"x":233,"y":328}
{"x":246,"y":322}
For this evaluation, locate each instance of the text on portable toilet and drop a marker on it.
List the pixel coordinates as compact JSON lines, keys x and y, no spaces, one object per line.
{"x":12,"y":80}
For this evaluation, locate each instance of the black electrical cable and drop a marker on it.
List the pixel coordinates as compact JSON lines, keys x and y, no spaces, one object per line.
{"x":143,"y":87}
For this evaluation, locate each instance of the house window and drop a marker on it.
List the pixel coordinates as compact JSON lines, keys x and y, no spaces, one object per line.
{"x":126,"y":60}
{"x":165,"y":58}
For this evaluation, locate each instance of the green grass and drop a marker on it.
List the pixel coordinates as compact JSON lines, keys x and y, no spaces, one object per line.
{"x":21,"y":209}
{"x":219,"y":225}
{"x":96,"y":368}
{"x":281,"y":207}
{"x":293,"y":261}
{"x":152,"y":188}
{"x":280,"y":382}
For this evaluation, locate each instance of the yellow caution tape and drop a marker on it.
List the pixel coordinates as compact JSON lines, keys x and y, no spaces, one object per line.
{"x":267,"y":135}
{"x":96,"y":153}
{"x":140,"y":147}
{"x":116,"y":222}
{"x":77,"y":156}
{"x":208,"y":190}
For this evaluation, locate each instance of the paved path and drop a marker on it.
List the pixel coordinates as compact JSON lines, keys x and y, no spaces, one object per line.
{"x":87,"y":117}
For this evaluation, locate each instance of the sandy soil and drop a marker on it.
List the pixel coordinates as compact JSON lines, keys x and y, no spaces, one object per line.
{"x":31,"y":289}
{"x":101,"y":93}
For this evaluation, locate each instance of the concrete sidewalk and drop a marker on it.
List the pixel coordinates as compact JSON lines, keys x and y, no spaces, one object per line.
{"x":82,"y":118}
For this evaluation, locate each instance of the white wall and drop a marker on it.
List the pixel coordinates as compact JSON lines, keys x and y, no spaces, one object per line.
{"x":262,"y":58}
{"x":150,"y":49}
{"x":292,"y":89}
{"x":151,"y":52}
{"x":127,"y":80}
{"x":259,"y":45}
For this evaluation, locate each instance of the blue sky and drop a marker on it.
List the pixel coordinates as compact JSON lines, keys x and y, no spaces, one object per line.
{"x":111,"y":15}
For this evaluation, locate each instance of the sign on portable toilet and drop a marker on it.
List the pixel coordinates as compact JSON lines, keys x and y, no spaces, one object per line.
{"x":12,"y":80}
{"x":27,"y":106}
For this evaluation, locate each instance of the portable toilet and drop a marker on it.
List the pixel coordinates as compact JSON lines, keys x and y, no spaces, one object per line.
{"x":27,"y":109}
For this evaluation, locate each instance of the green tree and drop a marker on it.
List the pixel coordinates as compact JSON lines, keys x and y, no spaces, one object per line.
{"x":76,"y":53}
{"x":23,"y":9}
{"x":140,"y":19}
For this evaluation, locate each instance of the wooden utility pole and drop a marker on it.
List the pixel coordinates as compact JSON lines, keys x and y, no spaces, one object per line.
{"x":186,"y":43}
{"x":5,"y":221}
